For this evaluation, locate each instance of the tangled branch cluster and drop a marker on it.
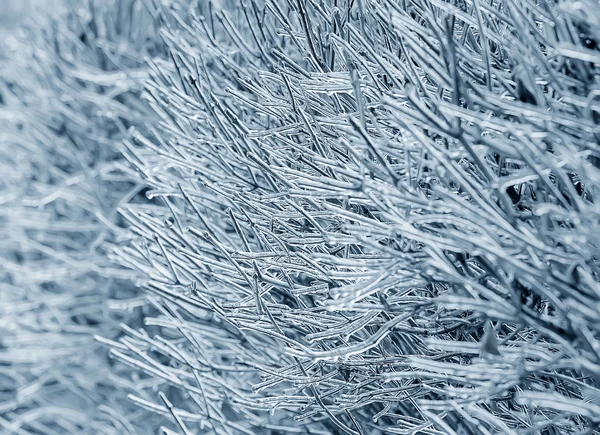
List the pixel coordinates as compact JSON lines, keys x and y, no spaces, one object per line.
{"x":362,"y":216}
{"x":375,"y":216}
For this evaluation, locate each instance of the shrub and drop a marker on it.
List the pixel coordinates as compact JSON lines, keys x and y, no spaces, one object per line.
{"x":370,"y":216}
{"x":374,"y":216}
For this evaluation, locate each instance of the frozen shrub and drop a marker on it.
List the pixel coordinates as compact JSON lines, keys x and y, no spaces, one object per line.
{"x":361,"y":217}
{"x":370,"y":216}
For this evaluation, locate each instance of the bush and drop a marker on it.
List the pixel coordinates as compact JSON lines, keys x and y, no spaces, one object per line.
{"x":371,"y":216}
{"x":384,"y":209}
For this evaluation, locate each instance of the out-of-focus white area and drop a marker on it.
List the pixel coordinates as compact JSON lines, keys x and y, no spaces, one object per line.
{"x":14,"y":12}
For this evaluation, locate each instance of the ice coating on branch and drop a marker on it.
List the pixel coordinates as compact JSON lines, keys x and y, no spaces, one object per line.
{"x":373,"y":216}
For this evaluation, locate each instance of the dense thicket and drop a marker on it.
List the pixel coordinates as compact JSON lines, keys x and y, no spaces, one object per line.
{"x":364,"y":216}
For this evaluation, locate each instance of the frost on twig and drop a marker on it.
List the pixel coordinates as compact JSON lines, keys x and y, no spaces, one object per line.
{"x":370,"y":216}
{"x":69,"y":89}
